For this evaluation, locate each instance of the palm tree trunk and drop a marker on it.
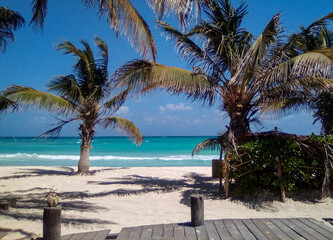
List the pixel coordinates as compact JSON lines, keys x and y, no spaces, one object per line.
{"x":84,"y":162}
{"x":87,"y":133}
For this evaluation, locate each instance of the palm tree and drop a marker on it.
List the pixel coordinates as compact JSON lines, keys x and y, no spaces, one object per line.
{"x":9,"y":21}
{"x":316,"y":36}
{"x":241,"y":73}
{"x":81,"y":97}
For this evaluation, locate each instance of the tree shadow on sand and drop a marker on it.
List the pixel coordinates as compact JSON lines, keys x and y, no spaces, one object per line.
{"x":192,"y":183}
{"x":33,"y":172}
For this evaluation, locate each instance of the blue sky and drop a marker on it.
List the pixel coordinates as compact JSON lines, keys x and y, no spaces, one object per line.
{"x":32,"y":60}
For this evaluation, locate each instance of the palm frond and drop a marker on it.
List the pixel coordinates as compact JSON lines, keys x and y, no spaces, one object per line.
{"x":9,"y":21}
{"x":54,"y":132}
{"x":116,"y":102}
{"x":124,"y":18}
{"x":182,"y":8}
{"x":104,"y":52}
{"x":140,"y":76}
{"x":258,"y":50}
{"x":68,"y":87}
{"x":31,"y":97}
{"x":209,"y":144}
{"x":6,"y":104}
{"x":123,"y":125}
{"x":314,"y":65}
{"x":39,"y":12}
{"x":188,"y":49}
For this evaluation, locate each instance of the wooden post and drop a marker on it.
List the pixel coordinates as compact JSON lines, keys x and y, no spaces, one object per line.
{"x":52,"y":223}
{"x":197,"y":210}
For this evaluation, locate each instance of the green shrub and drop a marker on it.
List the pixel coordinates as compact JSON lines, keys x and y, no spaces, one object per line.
{"x":256,"y":166}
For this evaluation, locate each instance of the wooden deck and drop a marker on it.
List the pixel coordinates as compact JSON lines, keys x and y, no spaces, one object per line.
{"x":229,"y":229}
{"x":96,"y":235}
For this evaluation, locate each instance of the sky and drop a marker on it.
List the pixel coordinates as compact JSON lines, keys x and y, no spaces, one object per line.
{"x":32,"y":60}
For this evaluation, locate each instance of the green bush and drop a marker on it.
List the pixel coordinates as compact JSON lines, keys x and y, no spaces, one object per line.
{"x":256,"y":166}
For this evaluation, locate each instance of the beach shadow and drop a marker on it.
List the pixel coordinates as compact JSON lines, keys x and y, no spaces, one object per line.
{"x":26,"y":235}
{"x":202,"y":185}
{"x":33,"y":172}
{"x":147,"y":184}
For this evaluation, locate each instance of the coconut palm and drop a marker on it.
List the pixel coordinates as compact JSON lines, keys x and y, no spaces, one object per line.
{"x":316,"y":36}
{"x":240,"y":73}
{"x":81,"y":96}
{"x":9,"y":21}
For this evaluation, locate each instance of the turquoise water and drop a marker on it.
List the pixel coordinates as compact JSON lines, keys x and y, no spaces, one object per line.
{"x":106,"y":152}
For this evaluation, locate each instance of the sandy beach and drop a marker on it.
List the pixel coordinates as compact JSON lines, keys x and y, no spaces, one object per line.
{"x":114,"y":198}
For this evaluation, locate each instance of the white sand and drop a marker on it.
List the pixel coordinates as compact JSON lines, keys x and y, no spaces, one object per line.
{"x":119,"y":197}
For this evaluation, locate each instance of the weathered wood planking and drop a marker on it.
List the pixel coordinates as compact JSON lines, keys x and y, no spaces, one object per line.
{"x":230,"y":229}
{"x":96,"y":235}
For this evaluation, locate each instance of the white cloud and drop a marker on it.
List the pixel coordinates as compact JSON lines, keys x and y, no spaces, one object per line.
{"x":180,"y":107}
{"x":123,"y":111}
{"x":149,"y":119}
{"x":40,"y":119}
{"x":198,"y":121}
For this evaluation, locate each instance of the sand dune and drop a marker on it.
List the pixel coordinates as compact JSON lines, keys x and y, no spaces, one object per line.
{"x":120,"y":197}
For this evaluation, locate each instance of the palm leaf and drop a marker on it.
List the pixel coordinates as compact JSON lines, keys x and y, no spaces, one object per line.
{"x":6,"y":104}
{"x":123,"y":125}
{"x":257,"y":51}
{"x":31,"y":97}
{"x":116,"y":102}
{"x":313,"y":65}
{"x":54,"y":132}
{"x":124,"y":18}
{"x":9,"y":21}
{"x":188,"y":49}
{"x":67,"y":86}
{"x":141,"y":76}
{"x":209,"y":144}
{"x":182,"y":8}
{"x":39,"y":13}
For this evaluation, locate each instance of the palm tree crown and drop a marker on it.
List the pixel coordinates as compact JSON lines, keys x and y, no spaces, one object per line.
{"x":243,"y":74}
{"x":80,"y":96}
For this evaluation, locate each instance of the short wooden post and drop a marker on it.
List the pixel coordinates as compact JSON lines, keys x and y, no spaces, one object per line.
{"x":197,"y":210}
{"x":52,"y":223}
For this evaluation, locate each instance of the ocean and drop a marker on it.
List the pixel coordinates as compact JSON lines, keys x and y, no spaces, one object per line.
{"x":106,"y":152}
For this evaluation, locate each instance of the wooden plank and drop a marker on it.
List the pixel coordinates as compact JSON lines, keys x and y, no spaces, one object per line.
{"x":297,"y":229}
{"x":264,"y":229}
{"x":75,"y":236}
{"x":278,"y":232}
{"x":158,"y":232}
{"x":211,"y":230}
{"x":101,"y":235}
{"x":254,"y":229}
{"x":124,"y":233}
{"x":243,"y":229}
{"x":317,"y":228}
{"x":308,"y":229}
{"x":321,"y":224}
{"x":168,"y":232}
{"x":285,"y":228}
{"x":201,"y":232}
{"x":88,"y":235}
{"x":66,"y":237}
{"x":233,"y":230}
{"x":179,"y":232}
{"x":135,"y":233}
{"x":146,"y":233}
{"x":190,"y":233}
{"x":222,"y":230}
